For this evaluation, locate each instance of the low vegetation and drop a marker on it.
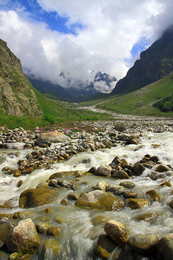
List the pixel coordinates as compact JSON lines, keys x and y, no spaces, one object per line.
{"x":153,"y":100}
{"x":54,"y":113}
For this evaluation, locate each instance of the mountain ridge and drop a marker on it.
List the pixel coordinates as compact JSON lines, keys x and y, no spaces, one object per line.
{"x":155,"y":63}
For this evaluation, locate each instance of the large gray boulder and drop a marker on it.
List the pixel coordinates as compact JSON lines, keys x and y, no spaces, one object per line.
{"x":51,"y":137}
{"x":23,"y":238}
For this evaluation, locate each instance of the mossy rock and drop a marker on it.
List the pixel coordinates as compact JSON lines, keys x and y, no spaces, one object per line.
{"x":143,"y":243}
{"x":23,"y":238}
{"x":36,"y":197}
{"x":136,"y":203}
{"x":117,"y":231}
{"x":51,"y":248}
{"x":154,"y":195}
{"x":105,"y":246}
{"x":100,"y":200}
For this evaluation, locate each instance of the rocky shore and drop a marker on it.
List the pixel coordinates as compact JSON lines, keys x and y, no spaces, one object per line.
{"x":24,"y":235}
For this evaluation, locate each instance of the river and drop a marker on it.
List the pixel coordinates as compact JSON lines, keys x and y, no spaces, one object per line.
{"x":81,"y":227}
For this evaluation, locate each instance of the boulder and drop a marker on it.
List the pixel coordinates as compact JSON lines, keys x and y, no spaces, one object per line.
{"x":103,"y":170}
{"x":154,"y":195}
{"x":138,"y":169}
{"x":51,"y":137}
{"x":23,"y":238}
{"x":120,"y":174}
{"x":5,"y":228}
{"x":130,"y":195}
{"x":165,"y":247}
{"x":100,"y":200}
{"x":102,"y":185}
{"x":143,"y":243}
{"x":116,"y":189}
{"x":36,"y":197}
{"x":127,"y":184}
{"x":53,"y":231}
{"x":42,"y":227}
{"x":116,"y":231}
{"x":51,"y":249}
{"x":136,"y":203}
{"x":105,"y":246}
{"x":161,"y":168}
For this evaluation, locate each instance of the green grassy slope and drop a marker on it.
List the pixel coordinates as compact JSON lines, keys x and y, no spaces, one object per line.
{"x":140,"y":102}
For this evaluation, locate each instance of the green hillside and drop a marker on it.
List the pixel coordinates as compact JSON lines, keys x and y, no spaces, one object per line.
{"x":141,"y":102}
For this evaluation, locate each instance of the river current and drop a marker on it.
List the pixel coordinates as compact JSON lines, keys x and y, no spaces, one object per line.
{"x":81,"y":227}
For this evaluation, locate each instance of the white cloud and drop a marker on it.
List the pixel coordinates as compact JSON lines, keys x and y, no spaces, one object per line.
{"x":109,"y":30}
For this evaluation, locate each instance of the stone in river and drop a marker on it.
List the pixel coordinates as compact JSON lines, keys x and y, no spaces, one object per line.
{"x":120,"y":174}
{"x":154,"y":195}
{"x":100,"y":200}
{"x":36,"y":197}
{"x":136,"y":203}
{"x":105,"y":246}
{"x":23,"y":238}
{"x":165,"y":247}
{"x":4,"y":232}
{"x":138,"y":169}
{"x":161,"y":168}
{"x":143,"y":243}
{"x":51,"y":249}
{"x":53,"y":231}
{"x":103,"y":170}
{"x":117,"y":231}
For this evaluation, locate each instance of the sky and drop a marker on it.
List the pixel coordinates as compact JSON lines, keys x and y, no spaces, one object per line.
{"x":81,"y":37}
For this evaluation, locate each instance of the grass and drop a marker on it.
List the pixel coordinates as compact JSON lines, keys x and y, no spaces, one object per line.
{"x":54,"y":113}
{"x":140,"y":102}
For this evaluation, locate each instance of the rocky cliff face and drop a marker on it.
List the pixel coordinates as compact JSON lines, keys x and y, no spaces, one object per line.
{"x":17,"y":97}
{"x":154,"y":63}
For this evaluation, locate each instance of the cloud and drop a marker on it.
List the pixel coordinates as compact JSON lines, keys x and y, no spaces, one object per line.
{"x":105,"y":34}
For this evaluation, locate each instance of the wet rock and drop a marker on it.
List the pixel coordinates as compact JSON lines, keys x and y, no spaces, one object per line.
{"x":100,"y":200}
{"x":116,"y":189}
{"x":20,"y":182}
{"x":78,"y":173}
{"x":143,"y":243}
{"x":161,"y":168}
{"x":72,"y":196}
{"x":138,"y":169}
{"x":53,"y":231}
{"x":154,"y":195}
{"x":116,"y":231}
{"x":99,"y":219}
{"x":23,"y":238}
{"x":103,"y":170}
{"x":133,"y":140}
{"x":5,"y":228}
{"x":148,"y":216}
{"x":130,"y":195}
{"x":36,"y":197}
{"x":165,"y":247}
{"x":42,"y":226}
{"x":136,"y":203}
{"x":51,"y":249}
{"x":120,"y":174}
{"x":92,"y":170}
{"x":127,"y":184}
{"x":102,"y":185}
{"x":105,"y":246}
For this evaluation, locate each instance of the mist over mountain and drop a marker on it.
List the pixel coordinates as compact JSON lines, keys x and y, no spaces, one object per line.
{"x":75,"y":91}
{"x":154,"y":63}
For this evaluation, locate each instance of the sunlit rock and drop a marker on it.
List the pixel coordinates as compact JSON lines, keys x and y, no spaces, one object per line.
{"x":24,"y":238}
{"x":117,"y":231}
